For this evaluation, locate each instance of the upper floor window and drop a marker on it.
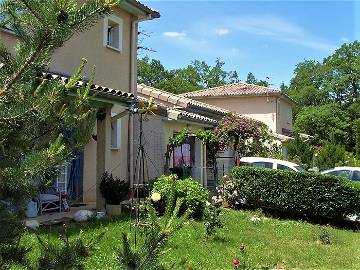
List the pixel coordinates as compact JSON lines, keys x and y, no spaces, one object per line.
{"x":113,"y":30}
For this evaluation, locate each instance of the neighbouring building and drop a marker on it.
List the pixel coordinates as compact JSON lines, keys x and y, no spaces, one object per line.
{"x":265,"y":104}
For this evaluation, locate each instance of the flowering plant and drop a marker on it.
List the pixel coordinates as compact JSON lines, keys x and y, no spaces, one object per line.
{"x":245,"y":135}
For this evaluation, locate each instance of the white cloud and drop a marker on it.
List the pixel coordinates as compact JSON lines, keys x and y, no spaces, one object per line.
{"x":344,"y":39}
{"x":222,"y":31}
{"x":279,"y":29}
{"x":174,"y":34}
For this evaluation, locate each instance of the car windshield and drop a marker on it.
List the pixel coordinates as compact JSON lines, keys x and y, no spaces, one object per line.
{"x":299,"y":168}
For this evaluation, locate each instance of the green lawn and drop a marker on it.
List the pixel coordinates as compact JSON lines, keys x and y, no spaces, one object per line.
{"x":282,"y":244}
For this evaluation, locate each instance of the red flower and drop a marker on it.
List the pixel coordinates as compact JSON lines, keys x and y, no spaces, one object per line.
{"x":236,"y":263}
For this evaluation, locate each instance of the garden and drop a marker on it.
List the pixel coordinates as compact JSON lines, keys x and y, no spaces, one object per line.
{"x":276,"y":243}
{"x":261,"y":219}
{"x":250,"y":225}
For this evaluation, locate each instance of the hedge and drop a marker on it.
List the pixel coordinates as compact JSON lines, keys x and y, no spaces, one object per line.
{"x":194,"y":194}
{"x":305,"y":194}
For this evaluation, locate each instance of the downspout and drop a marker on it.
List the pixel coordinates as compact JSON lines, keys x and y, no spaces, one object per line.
{"x":277,"y":115}
{"x":133,"y":90}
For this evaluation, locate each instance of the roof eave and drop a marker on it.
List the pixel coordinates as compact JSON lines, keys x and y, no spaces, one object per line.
{"x":194,"y":120}
{"x":136,"y":8}
{"x":278,"y":94}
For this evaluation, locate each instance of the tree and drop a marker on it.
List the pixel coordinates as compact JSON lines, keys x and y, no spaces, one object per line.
{"x":197,"y":75}
{"x":41,"y":121}
{"x":330,"y":155}
{"x":151,"y":72}
{"x":181,"y":80}
{"x":252,"y":80}
{"x":301,"y":151}
{"x":342,"y":73}
{"x":324,"y":121}
{"x":306,"y":86}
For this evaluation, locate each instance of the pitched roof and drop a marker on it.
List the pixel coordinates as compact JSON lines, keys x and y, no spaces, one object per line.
{"x":180,"y":114}
{"x":177,"y":100}
{"x":177,"y":112}
{"x":236,"y":89}
{"x":104,"y":91}
{"x":148,"y":10}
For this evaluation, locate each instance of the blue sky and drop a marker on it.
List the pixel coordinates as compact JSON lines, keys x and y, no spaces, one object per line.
{"x":267,"y":38}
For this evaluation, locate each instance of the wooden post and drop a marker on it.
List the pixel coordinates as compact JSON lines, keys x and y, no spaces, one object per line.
{"x":102,"y":153}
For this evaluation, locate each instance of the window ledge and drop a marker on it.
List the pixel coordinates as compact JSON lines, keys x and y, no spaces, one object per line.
{"x":114,"y":148}
{"x":113,"y":48}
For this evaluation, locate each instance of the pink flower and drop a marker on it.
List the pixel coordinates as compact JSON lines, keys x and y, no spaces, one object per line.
{"x":236,"y":263}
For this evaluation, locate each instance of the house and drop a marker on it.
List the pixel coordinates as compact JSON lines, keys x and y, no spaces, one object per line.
{"x":110,"y":45}
{"x":265,"y":104}
{"x":174,"y":113}
{"x":261,"y":103}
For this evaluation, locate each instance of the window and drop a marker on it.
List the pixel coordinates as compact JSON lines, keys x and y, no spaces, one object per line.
{"x":342,"y":173}
{"x":267,"y":165}
{"x":116,"y":133}
{"x":182,"y":155}
{"x":113,"y":29}
{"x":283,"y":167}
{"x":247,"y":164}
{"x":356,"y":176}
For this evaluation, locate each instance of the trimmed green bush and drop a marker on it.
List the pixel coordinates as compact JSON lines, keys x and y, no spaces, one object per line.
{"x":306,"y":194}
{"x":194,"y":194}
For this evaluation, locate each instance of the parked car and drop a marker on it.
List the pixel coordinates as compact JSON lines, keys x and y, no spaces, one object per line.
{"x":352,"y":173}
{"x":270,"y":163}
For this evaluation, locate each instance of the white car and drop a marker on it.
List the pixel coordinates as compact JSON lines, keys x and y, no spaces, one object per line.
{"x":352,"y":173}
{"x":270,"y":163}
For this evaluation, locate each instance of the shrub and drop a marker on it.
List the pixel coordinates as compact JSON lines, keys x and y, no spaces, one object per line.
{"x":113,"y":189}
{"x":330,"y":155}
{"x":66,"y":254}
{"x":305,"y":194}
{"x":194,"y":194}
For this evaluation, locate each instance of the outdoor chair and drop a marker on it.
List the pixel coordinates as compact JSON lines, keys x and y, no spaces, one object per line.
{"x":49,"y":201}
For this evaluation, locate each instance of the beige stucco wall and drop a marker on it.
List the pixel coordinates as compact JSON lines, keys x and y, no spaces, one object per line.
{"x":157,"y":131}
{"x":118,"y":158}
{"x":284,"y":115}
{"x":259,"y":108}
{"x":8,"y":40}
{"x":112,"y":67}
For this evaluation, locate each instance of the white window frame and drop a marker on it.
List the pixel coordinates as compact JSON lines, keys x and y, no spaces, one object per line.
{"x":119,"y":21}
{"x":115,"y":143}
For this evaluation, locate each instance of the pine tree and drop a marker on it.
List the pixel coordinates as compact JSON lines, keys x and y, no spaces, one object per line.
{"x":154,"y":235}
{"x":37,"y":115}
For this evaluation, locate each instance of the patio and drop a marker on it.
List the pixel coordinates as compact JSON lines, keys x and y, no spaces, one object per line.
{"x":56,"y":217}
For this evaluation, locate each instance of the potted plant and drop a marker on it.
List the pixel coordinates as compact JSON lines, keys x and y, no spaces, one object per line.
{"x":114,"y":190}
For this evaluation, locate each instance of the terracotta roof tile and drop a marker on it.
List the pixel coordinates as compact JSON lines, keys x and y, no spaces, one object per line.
{"x":235,"y":89}
{"x":154,"y":13}
{"x":94,"y":88}
{"x":177,"y":100}
{"x":195,"y":116}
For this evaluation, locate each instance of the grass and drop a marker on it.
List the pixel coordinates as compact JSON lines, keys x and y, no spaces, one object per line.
{"x":279,"y":244}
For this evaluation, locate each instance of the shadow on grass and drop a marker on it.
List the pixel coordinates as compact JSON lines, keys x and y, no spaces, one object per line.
{"x":285,"y":215}
{"x":220,"y":239}
{"x":74,"y":228}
